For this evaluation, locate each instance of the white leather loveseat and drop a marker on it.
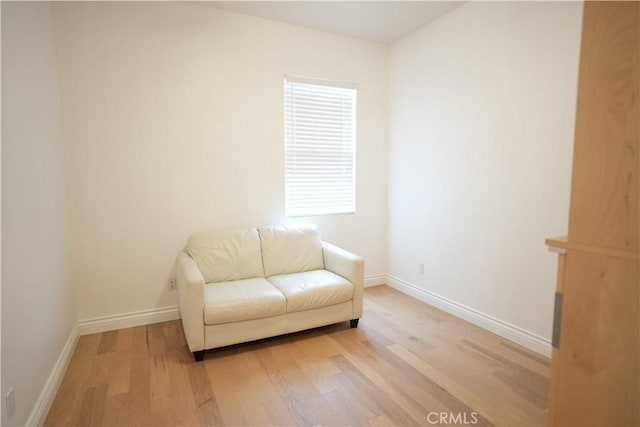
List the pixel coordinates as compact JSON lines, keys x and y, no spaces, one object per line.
{"x":245,"y":284}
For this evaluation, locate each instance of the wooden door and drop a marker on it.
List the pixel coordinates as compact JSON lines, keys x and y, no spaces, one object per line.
{"x":595,"y":375}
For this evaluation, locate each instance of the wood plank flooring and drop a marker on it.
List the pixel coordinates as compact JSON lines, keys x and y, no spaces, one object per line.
{"x":404,"y":361}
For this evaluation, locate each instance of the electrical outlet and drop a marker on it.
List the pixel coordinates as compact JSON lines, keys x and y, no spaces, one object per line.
{"x":420,"y":268}
{"x":172,"y":284}
{"x":10,"y":404}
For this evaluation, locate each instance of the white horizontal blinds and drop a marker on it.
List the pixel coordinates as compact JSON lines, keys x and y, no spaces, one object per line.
{"x":320,"y":141}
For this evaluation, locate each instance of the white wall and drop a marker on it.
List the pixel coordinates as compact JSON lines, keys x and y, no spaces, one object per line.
{"x":38,"y":307}
{"x":481,"y":121}
{"x":173,"y":119}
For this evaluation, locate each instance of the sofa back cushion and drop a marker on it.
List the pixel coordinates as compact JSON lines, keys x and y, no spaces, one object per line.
{"x":223,"y":256}
{"x":290,"y":249}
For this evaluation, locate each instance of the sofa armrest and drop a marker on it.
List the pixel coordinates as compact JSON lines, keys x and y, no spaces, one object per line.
{"x":349,"y":266}
{"x":191,"y":299}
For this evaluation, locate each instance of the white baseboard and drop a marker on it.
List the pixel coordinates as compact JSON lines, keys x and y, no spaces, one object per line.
{"x":48,"y":393}
{"x":127,"y":320}
{"x":511,"y":332}
{"x":380,"y":279}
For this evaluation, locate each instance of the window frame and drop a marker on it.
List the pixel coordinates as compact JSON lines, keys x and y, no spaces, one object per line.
{"x":344,"y":91}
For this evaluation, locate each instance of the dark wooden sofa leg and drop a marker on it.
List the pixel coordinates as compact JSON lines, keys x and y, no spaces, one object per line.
{"x":198,"y":355}
{"x":354,"y":323}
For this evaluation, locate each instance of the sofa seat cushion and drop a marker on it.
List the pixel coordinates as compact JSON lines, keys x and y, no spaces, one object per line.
{"x":312,"y":289}
{"x":239,"y":300}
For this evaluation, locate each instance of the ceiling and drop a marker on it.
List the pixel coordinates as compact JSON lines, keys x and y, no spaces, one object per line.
{"x":381,"y":21}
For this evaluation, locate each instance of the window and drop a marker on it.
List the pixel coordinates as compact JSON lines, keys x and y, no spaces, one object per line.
{"x":320,"y":145}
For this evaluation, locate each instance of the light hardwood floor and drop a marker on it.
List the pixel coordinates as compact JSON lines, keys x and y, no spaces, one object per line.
{"x":405,"y":360}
